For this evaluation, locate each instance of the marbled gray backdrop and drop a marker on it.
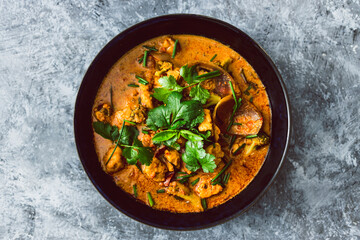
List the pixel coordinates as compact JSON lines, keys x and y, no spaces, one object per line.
{"x":45,"y":49}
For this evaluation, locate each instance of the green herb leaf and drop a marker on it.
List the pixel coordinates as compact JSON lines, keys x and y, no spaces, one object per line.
{"x":251,"y":136}
{"x":196,"y":157}
{"x":188,"y":73}
{"x":106,"y":130}
{"x":176,"y":113}
{"x":141,"y":80}
{"x":145,"y":58}
{"x":160,"y":191}
{"x":133,"y":85}
{"x":164,"y":135}
{"x":199,"y":93}
{"x":190,"y":135}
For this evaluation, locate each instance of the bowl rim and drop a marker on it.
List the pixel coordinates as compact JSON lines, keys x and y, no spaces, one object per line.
{"x":283,"y":90}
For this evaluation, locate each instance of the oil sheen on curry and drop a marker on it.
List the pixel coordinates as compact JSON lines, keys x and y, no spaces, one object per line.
{"x":182,"y":123}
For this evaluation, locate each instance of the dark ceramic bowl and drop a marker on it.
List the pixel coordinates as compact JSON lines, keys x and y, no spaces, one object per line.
{"x":195,"y":25}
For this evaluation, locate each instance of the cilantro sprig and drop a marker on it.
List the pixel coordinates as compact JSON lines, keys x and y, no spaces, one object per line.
{"x":190,"y":75}
{"x":196,"y":157}
{"x":133,"y":149}
{"x":175,"y":114}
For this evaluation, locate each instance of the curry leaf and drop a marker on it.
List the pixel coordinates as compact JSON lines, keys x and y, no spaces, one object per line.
{"x":196,"y":157}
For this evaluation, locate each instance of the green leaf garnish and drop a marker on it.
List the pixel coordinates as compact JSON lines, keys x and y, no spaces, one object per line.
{"x":133,"y":85}
{"x":133,"y":150}
{"x":199,"y":93}
{"x":196,"y":157}
{"x":160,"y":191}
{"x":106,"y":130}
{"x":203,"y":204}
{"x":176,"y":113}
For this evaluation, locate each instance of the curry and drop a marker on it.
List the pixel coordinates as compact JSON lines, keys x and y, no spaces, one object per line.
{"x":182,"y":123}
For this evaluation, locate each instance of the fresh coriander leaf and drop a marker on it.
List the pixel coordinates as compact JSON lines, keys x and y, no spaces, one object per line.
{"x":199,"y":93}
{"x":172,"y":143}
{"x":159,"y":117}
{"x":164,"y":136}
{"x":161,"y":94}
{"x":196,"y":157}
{"x":106,"y":130}
{"x":176,"y":114}
{"x":190,"y":135}
{"x":188,"y":73}
{"x":170,"y":83}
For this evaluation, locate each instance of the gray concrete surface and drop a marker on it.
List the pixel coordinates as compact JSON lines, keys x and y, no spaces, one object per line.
{"x":45,"y":49}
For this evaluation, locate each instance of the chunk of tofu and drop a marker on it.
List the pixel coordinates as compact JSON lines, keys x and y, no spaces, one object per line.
{"x":204,"y":188}
{"x":180,"y":190}
{"x":206,"y":125}
{"x":173,"y":157}
{"x":115,"y":163}
{"x":155,"y":171}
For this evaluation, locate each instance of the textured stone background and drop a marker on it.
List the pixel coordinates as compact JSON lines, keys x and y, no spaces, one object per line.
{"x":45,"y":49}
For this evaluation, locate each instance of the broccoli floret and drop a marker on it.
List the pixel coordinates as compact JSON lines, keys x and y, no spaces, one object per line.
{"x":261,"y":140}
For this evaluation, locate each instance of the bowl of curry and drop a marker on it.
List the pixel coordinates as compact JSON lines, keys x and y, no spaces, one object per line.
{"x":182,"y":122}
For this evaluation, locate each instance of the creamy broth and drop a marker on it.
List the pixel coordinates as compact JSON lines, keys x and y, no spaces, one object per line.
{"x":115,"y":91}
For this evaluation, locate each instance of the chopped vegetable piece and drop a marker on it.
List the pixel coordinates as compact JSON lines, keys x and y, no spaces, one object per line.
{"x":145,"y":132}
{"x":132,"y":123}
{"x":237,"y":150}
{"x":160,"y":191}
{"x":251,"y":99}
{"x":150,"y":48}
{"x":141,"y":80}
{"x":174,"y":50}
{"x":141,"y":59}
{"x":251,"y":136}
{"x":212,"y":59}
{"x":203,"y":204}
{"x":222,"y":170}
{"x":193,"y":183}
{"x":145,"y":58}
{"x":133,"y":85}
{"x":237,"y":124}
{"x":227,"y":176}
{"x":151,"y":200}
{"x":135,"y":191}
